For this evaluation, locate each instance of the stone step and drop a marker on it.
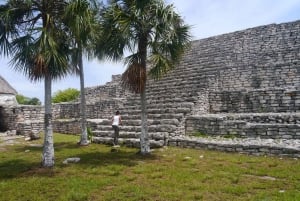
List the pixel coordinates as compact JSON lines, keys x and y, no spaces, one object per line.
{"x":130,"y":142}
{"x":180,"y":96}
{"x":151,"y":128}
{"x":152,"y":104}
{"x":174,"y":85}
{"x":184,"y":78}
{"x":135,"y":119}
{"x":284,"y":117}
{"x":156,"y":111}
{"x":122,"y":134}
{"x":273,"y":125}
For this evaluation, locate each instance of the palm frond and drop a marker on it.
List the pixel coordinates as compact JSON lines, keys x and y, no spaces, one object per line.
{"x":37,"y":57}
{"x":82,"y":22}
{"x":147,"y":27}
{"x":160,"y":65}
{"x":135,"y":76}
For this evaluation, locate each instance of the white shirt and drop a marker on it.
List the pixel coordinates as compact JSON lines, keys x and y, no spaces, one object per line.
{"x":116,"y":120}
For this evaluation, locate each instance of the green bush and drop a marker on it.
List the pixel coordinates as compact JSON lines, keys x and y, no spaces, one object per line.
{"x":90,"y":133}
{"x":66,"y":95}
{"x":23,"y":100}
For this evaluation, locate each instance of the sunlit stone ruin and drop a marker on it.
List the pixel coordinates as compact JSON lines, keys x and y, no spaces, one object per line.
{"x":236,"y":92}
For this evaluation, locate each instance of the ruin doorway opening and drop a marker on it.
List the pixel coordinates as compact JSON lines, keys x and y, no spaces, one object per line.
{"x":3,"y":120}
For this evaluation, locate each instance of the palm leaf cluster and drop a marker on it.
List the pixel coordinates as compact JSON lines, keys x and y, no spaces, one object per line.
{"x":153,"y":31}
{"x":29,"y":32}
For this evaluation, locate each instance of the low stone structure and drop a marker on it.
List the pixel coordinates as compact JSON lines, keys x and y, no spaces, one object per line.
{"x":7,"y":93}
{"x":244,"y":84}
{"x":7,"y":99}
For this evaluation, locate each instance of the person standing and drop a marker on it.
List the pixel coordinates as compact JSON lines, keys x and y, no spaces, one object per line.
{"x":116,"y":122}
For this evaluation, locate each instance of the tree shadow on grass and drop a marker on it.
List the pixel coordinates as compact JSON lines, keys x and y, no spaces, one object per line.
{"x":104,"y":158}
{"x":39,"y":146}
{"x":14,"y":168}
{"x":92,"y":156}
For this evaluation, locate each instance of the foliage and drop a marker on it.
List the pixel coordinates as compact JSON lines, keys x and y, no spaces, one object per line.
{"x":152,"y":31}
{"x":32,"y":32}
{"x":66,"y":95}
{"x":200,"y":134}
{"x":89,"y":133}
{"x":231,"y":135}
{"x":23,"y":100}
{"x":168,"y":174}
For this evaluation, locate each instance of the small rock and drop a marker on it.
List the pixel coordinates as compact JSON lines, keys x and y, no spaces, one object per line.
{"x":34,"y":135}
{"x":27,"y":150}
{"x":71,"y":160}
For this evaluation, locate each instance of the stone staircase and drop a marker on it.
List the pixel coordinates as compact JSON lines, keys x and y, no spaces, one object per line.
{"x":244,"y":84}
{"x":164,"y":120}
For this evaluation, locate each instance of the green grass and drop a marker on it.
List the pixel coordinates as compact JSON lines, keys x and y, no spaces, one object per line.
{"x":200,"y":134}
{"x":167,"y":174}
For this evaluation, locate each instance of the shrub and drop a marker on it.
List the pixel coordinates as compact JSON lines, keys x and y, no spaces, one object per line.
{"x":23,"y":100}
{"x":66,"y":95}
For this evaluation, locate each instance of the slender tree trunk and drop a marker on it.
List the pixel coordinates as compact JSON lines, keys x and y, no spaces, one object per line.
{"x":144,"y":139}
{"x":84,"y":137}
{"x":48,"y":149}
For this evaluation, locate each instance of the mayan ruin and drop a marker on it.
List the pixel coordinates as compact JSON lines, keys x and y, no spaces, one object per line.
{"x":244,"y":85}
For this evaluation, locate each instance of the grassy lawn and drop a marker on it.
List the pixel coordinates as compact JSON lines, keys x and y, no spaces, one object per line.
{"x":168,"y":174}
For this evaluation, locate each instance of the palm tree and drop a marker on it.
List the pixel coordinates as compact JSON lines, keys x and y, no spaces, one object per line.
{"x":82,"y":21}
{"x":31,"y":32}
{"x":154,"y":34}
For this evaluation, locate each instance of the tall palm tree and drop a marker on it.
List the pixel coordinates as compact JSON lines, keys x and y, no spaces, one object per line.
{"x":154,"y":33}
{"x":31,"y":32}
{"x":81,"y":18}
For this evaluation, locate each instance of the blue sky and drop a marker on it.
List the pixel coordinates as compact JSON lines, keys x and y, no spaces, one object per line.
{"x":207,"y":18}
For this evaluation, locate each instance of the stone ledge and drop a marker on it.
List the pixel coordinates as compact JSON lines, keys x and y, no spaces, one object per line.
{"x":254,"y":146}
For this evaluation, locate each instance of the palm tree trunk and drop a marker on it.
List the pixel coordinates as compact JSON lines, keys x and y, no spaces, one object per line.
{"x":48,"y":148}
{"x":144,"y":139}
{"x":84,"y":136}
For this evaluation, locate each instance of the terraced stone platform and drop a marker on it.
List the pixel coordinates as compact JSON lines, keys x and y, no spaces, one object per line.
{"x":244,"y":84}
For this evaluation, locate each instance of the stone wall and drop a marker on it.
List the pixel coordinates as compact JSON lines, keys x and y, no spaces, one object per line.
{"x":102,"y":101}
{"x":111,"y":90}
{"x":244,"y":125}
{"x":252,"y":71}
{"x":274,"y":99}
{"x":23,"y":119}
{"x":260,"y":57}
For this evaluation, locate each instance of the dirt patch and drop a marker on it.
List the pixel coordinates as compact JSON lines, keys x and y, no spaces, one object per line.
{"x":9,"y":140}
